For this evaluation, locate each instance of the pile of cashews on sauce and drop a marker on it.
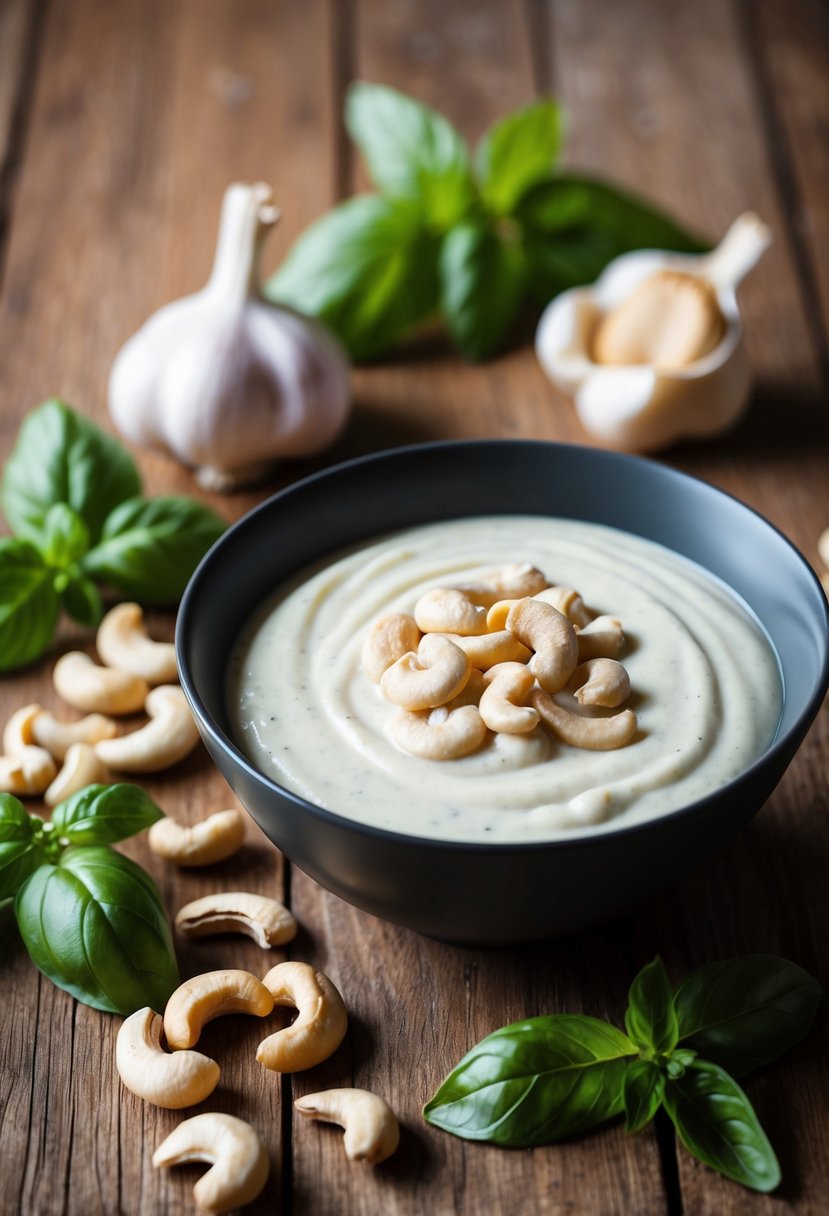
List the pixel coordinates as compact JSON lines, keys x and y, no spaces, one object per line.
{"x":504,"y":678}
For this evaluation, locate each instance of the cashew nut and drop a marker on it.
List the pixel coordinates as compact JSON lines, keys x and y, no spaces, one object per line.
{"x":491,"y":648}
{"x":182,"y":1078}
{"x":551,"y":636}
{"x":122,"y":642}
{"x":387,"y":641}
{"x":496,"y":618}
{"x":372,"y":1132}
{"x":28,"y":772}
{"x":600,"y":682}
{"x":57,"y":736}
{"x":202,"y":844}
{"x":503,"y":704}
{"x":568,"y":602}
{"x":447,"y":610}
{"x":433,"y":676}
{"x":469,"y":695}
{"x":205,"y":997}
{"x":438,"y":734}
{"x":80,"y":768}
{"x":512,"y":582}
{"x":267,"y":921}
{"x":601,"y":639}
{"x":321,"y":1021}
{"x":87,"y":686}
{"x":167,"y":738}
{"x":593,"y":734}
{"x":19,"y":731}
{"x":238,"y":1159}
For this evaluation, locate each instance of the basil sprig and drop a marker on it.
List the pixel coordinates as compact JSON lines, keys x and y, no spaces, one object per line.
{"x":546,"y":1078}
{"x":91,"y":919}
{"x":71,"y":494}
{"x":458,"y":236}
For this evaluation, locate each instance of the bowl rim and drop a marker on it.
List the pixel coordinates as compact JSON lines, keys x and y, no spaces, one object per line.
{"x":797,"y":730}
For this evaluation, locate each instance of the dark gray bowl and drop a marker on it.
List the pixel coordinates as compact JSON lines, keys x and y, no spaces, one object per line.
{"x":479,"y":893}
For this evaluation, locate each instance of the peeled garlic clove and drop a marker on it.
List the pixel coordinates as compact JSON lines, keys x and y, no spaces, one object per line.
{"x":671,"y":319}
{"x":225,"y":380}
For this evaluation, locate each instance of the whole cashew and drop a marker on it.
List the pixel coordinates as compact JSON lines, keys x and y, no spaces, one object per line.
{"x":601,"y":639}
{"x":491,"y":648}
{"x":503,"y":704}
{"x":496,"y":618}
{"x":168,"y":737}
{"x":512,"y":582}
{"x":438,"y":734}
{"x":600,"y":682}
{"x":238,"y":1159}
{"x":372,"y":1132}
{"x":28,"y":772}
{"x":568,"y":602}
{"x":19,"y":730}
{"x":87,"y":686}
{"x":551,"y":636}
{"x":469,"y":695}
{"x":202,"y":844}
{"x":321,"y":1021}
{"x":447,"y":610}
{"x":267,"y":921}
{"x":182,"y":1078}
{"x":205,"y":997}
{"x":387,"y":641}
{"x":122,"y":642}
{"x":57,"y":737}
{"x":80,"y":768}
{"x":433,"y":676}
{"x":593,"y":734}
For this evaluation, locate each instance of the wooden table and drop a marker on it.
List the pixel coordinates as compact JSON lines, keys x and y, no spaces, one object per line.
{"x":121,"y":122}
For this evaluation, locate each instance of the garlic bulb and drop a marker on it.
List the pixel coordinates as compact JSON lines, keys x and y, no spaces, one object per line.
{"x":225,"y":380}
{"x":653,"y":351}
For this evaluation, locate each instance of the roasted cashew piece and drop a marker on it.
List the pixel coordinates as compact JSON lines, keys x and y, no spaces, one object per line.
{"x":512,"y":582}
{"x":57,"y":736}
{"x":503,"y":704}
{"x":87,"y":686}
{"x":80,"y":768}
{"x":569,"y":604}
{"x":19,"y":730}
{"x":387,"y":641}
{"x":122,"y":642}
{"x":438,"y":734}
{"x":548,"y":632}
{"x":321,"y":1021}
{"x":168,"y":737}
{"x":202,"y":844}
{"x":171,"y":1080}
{"x":205,"y":997}
{"x":600,"y":682}
{"x":238,"y":1159}
{"x":433,"y":676}
{"x":28,"y":772}
{"x":267,"y":921}
{"x":601,"y":639}
{"x":491,"y":648}
{"x":447,"y":610}
{"x":372,"y":1132}
{"x":593,"y":734}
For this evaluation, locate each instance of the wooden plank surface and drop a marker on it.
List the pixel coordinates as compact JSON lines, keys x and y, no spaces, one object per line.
{"x":138,"y":115}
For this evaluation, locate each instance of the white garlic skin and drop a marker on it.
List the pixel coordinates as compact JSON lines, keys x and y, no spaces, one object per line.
{"x":225,"y":380}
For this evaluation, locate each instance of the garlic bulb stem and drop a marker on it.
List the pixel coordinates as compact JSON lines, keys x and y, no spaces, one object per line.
{"x":247,"y":218}
{"x":737,"y":253}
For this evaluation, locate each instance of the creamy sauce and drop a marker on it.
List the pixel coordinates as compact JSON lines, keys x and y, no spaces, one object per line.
{"x":706,"y":687}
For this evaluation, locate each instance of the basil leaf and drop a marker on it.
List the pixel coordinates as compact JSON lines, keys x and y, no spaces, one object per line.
{"x":482,"y":281}
{"x":573,"y":226}
{"x":534,"y":1082}
{"x":102,"y":814}
{"x":81,"y":599}
{"x":644,"y":1085}
{"x":29,"y":604}
{"x":518,"y":152}
{"x":651,"y":1020}
{"x":412,"y":152}
{"x":367,"y":269}
{"x":62,"y":457}
{"x":95,"y":926}
{"x":150,"y":547}
{"x":744,"y":1012}
{"x":65,"y":536}
{"x":717,"y":1124}
{"x":20,"y":851}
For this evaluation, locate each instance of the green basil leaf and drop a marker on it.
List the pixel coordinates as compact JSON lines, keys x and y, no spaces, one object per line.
{"x":20,"y":851}
{"x":82,"y":599}
{"x":15,"y":822}
{"x":29,"y":604}
{"x":412,"y":152}
{"x":94,"y":924}
{"x":517,"y":153}
{"x":678,"y":1062}
{"x":102,"y":814}
{"x":651,"y":1020}
{"x":717,"y":1124}
{"x":367,"y":269}
{"x":642,"y":1091}
{"x":744,"y":1012}
{"x":534,"y":1082}
{"x":150,"y":547}
{"x":65,"y":536}
{"x":482,"y":280}
{"x":62,"y":457}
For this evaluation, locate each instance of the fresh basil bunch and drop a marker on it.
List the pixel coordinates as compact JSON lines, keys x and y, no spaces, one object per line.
{"x":466,"y":237}
{"x":91,"y":919}
{"x":71,"y":495}
{"x":545,"y":1078}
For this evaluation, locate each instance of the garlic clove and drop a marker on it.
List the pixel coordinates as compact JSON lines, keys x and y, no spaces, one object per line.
{"x":670,"y":320}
